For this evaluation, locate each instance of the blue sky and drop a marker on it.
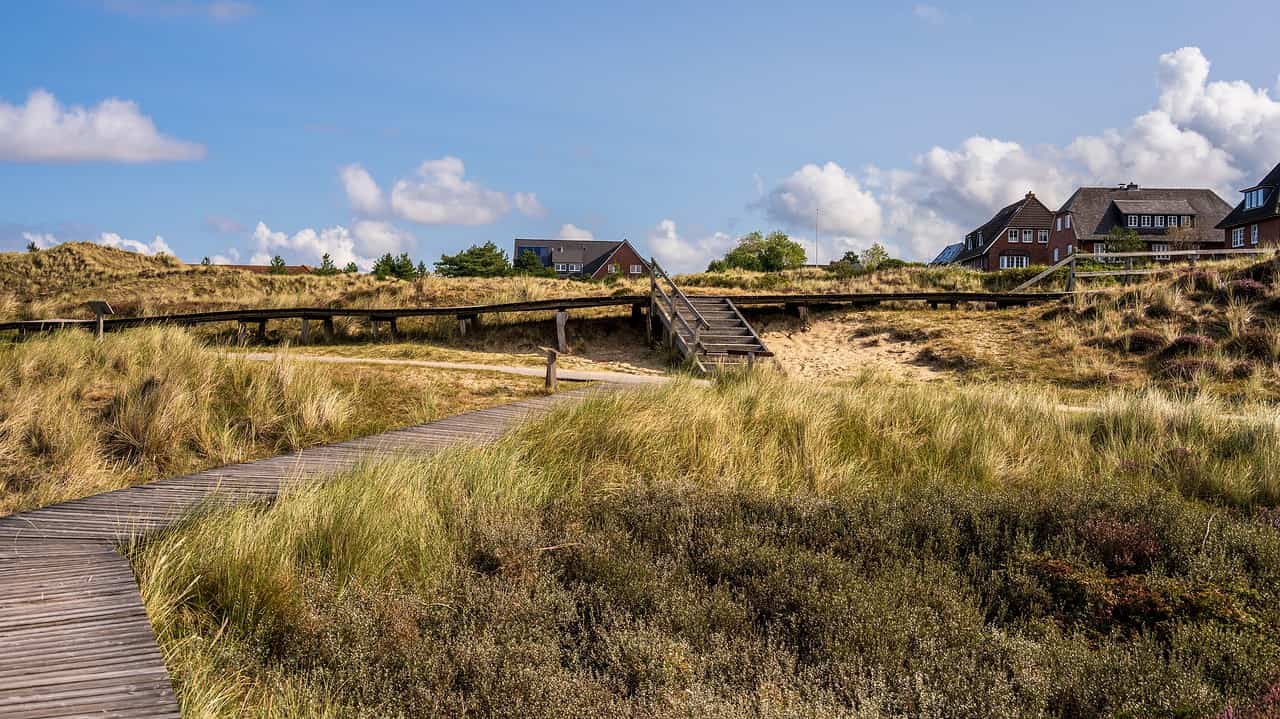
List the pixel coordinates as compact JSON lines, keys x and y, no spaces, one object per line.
{"x":677,"y":126}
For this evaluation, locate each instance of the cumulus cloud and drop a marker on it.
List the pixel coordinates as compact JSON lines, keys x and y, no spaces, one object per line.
{"x":374,"y":237}
{"x":42,"y":240}
{"x":1201,"y":133}
{"x":440,"y":195}
{"x":362,"y":192}
{"x":307,"y":245}
{"x":569,"y":231}
{"x":156,"y":247}
{"x":232,"y":257}
{"x":527,"y":203}
{"x":681,"y":254}
{"x":43,"y":130}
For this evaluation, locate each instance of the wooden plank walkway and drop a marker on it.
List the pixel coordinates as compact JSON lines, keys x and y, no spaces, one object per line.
{"x":75,"y":640}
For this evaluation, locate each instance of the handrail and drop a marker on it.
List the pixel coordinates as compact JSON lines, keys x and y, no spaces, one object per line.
{"x":675,"y":289}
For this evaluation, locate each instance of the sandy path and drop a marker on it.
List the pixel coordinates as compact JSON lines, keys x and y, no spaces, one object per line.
{"x":571,"y":375}
{"x":830,"y":349}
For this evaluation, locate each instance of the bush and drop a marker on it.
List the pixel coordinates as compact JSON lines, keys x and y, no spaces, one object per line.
{"x":1254,"y":344}
{"x":1188,"y":368}
{"x":1188,"y":345}
{"x":1246,"y":289}
{"x":1143,"y":341}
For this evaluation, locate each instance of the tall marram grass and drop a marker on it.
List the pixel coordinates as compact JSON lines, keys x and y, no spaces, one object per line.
{"x":78,"y":416}
{"x":761,"y":547}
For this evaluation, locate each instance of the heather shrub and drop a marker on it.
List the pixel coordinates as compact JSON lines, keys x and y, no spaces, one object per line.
{"x":1143,"y":341}
{"x":1254,"y":344}
{"x":1189,"y":368}
{"x":1245,"y":289}
{"x":1188,"y":345}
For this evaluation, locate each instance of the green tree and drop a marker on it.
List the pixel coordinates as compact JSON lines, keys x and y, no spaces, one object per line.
{"x":277,"y":265}
{"x":326,"y":266}
{"x":847,"y":266}
{"x":400,"y":267}
{"x":476,"y":261}
{"x":528,"y":263}
{"x":351,"y":269}
{"x":32,"y":246}
{"x":1124,"y":239}
{"x":422,"y":269}
{"x":874,"y":256}
{"x":206,"y":261}
{"x":758,"y":253}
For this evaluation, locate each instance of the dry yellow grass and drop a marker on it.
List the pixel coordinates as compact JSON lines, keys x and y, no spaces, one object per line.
{"x":78,"y":417}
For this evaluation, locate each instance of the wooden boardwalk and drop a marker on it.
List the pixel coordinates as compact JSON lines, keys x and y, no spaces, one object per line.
{"x":75,"y":640}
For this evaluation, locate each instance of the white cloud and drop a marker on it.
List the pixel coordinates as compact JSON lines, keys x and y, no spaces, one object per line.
{"x":527,"y":203}
{"x":42,"y":130}
{"x":375,"y":238}
{"x":362,"y":192}
{"x":1201,"y":133}
{"x":573,"y":232}
{"x":440,"y":196}
{"x":231,"y":258}
{"x":43,"y":240}
{"x":931,"y":14}
{"x":828,"y":195}
{"x":307,"y":245}
{"x":155,"y":247}
{"x":678,"y":254}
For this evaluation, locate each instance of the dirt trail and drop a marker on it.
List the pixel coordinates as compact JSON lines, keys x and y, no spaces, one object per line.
{"x":831,"y":349}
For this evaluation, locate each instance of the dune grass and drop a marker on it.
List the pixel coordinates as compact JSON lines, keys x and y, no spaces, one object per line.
{"x":761,"y":547}
{"x":79,"y":417}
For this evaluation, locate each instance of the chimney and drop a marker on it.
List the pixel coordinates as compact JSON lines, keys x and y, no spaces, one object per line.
{"x":1031,"y":195}
{"x":1131,"y":186}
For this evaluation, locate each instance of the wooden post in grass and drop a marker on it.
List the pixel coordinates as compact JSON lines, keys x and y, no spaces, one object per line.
{"x":552,"y":356}
{"x":262,"y":330}
{"x":1071,"y":274}
{"x":562,"y":318}
{"x":306,"y":331}
{"x":395,"y":331}
{"x":100,"y":309}
{"x":327,"y":327}
{"x":373,"y":327}
{"x":242,"y":332}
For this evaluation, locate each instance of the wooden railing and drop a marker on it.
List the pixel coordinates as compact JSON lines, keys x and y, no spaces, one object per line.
{"x":1162,"y":256}
{"x":676,"y":300}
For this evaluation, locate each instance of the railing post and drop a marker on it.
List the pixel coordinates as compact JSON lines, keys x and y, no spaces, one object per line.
{"x":1071,"y":275}
{"x":551,"y":369}
{"x":562,"y":318}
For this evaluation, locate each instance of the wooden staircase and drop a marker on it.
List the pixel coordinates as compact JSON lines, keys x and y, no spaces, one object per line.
{"x":709,"y":331}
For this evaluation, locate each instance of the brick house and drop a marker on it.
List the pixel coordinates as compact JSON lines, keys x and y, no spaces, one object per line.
{"x":1016,"y":236}
{"x":1256,"y":220}
{"x":1163,"y":218}
{"x":594,"y":259}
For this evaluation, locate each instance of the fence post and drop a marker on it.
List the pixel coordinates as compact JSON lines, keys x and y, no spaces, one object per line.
{"x":1071,"y":274}
{"x":100,"y":309}
{"x":306,"y":331}
{"x":551,"y":369}
{"x":562,"y":318}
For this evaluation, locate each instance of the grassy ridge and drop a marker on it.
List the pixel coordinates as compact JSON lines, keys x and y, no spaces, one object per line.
{"x":781,"y":549}
{"x":78,"y":417}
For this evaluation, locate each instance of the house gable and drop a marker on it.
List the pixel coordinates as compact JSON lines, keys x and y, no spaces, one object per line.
{"x":625,"y":259}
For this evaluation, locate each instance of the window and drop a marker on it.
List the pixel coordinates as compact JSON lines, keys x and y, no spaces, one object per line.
{"x":613,"y":268}
{"x":575,"y":267}
{"x":562,"y":267}
{"x":1186,"y":220}
{"x":1068,"y":222}
{"x":1173,"y":220}
{"x":1013,"y":235}
{"x":1237,"y":237}
{"x":1146,"y":220}
{"x":1070,"y":249}
{"x":1055,"y":254}
{"x":1044,"y":237}
{"x":1027,"y":235}
{"x":1253,"y":235}
{"x":1158,"y":248}
{"x":1159,"y":220}
{"x":1058,"y":225}
{"x":1254,"y":198}
{"x":1099,"y":247}
{"x":1133,"y":220}
{"x":637,"y":269}
{"x":1009,"y":262}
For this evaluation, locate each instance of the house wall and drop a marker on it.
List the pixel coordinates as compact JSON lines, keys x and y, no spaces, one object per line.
{"x":1037,"y":252}
{"x":624,"y":257}
{"x":1268,"y":234}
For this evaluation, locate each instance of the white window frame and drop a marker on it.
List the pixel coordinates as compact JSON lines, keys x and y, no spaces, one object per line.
{"x":1173,"y":220}
{"x":1146,"y":220}
{"x":1237,"y":237}
{"x":1160,"y":247}
{"x":1014,"y":262}
{"x":1068,"y":222}
{"x":613,"y":268}
{"x":1058,"y":225}
{"x":637,"y":269}
{"x":1043,"y":237}
{"x":562,"y":267}
{"x":1028,"y":236}
{"x":1071,"y":249}
{"x":1056,"y":251}
{"x":1133,"y":220}
{"x":1253,"y":235}
{"x":1186,"y":220}
{"x":1013,"y":236}
{"x":1159,"y":220}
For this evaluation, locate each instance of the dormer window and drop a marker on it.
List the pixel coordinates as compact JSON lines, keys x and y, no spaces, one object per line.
{"x":1254,"y":198}
{"x":1133,"y":220}
{"x":1186,"y":220}
{"x":1146,"y":220}
{"x":1159,"y":220}
{"x":1173,"y":220}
